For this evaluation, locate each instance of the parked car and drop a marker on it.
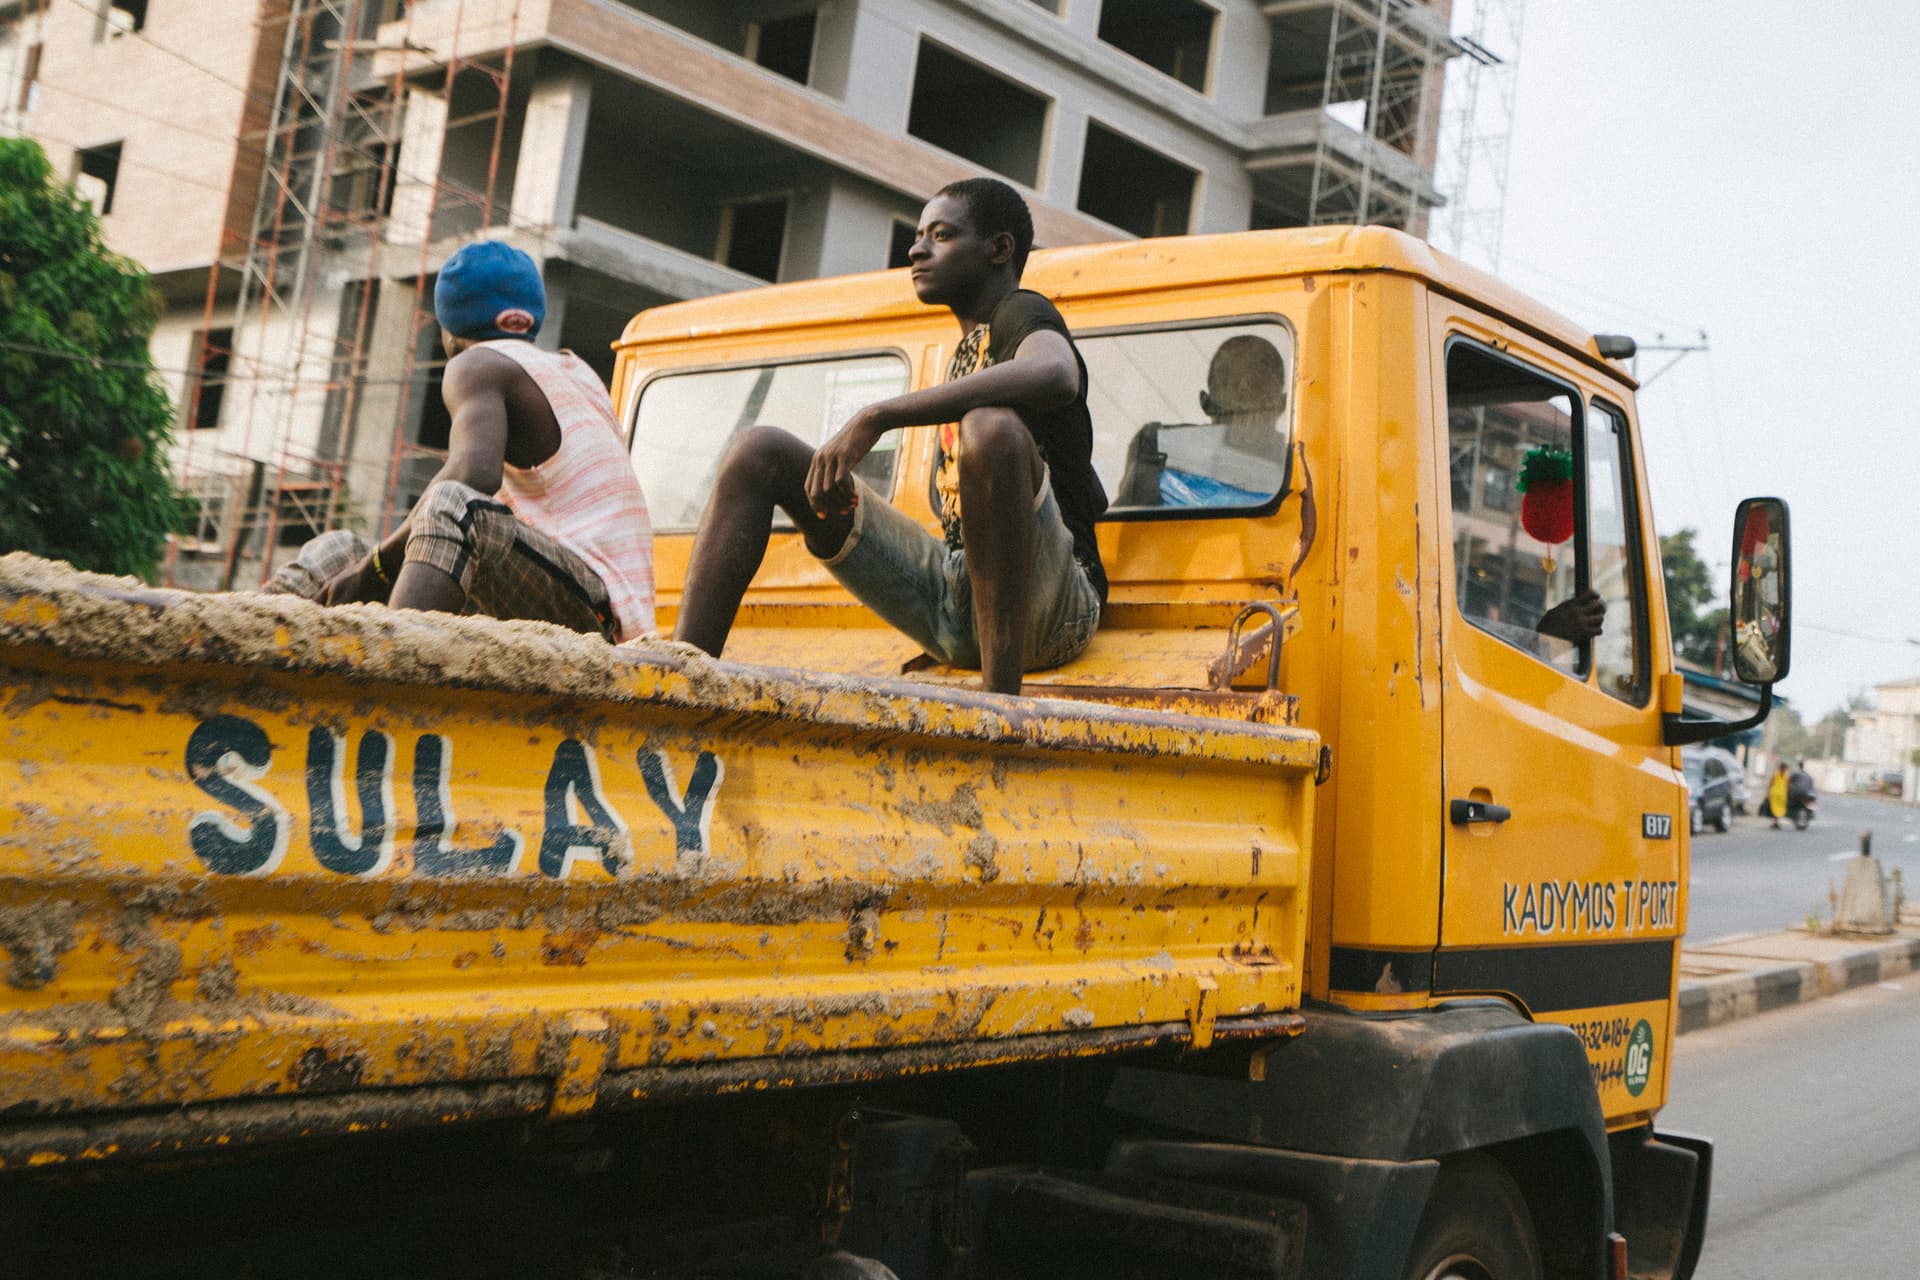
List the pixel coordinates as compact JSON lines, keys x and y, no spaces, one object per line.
{"x":1709,"y":790}
{"x":1742,"y":793}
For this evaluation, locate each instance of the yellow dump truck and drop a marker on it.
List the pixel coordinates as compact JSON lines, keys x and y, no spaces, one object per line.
{"x":1320,"y":920}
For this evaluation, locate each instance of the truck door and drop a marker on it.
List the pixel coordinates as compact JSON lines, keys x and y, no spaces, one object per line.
{"x":1565,"y":818}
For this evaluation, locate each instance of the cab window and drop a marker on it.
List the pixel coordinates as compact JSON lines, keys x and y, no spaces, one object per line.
{"x":683,"y":422}
{"x":1613,"y":551}
{"x":1511,"y":439}
{"x":1194,"y":420}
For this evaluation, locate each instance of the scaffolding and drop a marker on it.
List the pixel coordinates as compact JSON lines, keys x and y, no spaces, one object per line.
{"x":1476,"y":129}
{"x":1383,"y":77}
{"x":299,"y":287}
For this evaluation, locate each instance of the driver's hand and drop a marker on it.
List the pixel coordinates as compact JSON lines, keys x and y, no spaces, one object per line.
{"x":1576,"y":620}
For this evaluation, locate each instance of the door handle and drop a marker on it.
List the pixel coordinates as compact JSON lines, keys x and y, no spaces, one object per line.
{"x":1465,"y":812}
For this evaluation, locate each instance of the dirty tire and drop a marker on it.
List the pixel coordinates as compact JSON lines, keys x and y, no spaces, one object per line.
{"x":1475,"y":1226}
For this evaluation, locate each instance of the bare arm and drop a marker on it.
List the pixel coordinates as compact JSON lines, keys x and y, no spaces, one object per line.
{"x":474,"y":389}
{"x":1042,"y":375}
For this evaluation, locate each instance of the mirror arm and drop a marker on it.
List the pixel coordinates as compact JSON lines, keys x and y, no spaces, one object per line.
{"x":1678,"y":732}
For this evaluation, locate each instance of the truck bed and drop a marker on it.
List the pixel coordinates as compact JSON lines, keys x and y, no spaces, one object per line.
{"x":270,"y":869}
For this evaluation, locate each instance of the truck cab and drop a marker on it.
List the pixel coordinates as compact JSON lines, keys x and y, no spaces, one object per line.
{"x":1500,"y":821}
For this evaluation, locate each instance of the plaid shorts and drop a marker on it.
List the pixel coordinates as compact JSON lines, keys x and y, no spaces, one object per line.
{"x":508,"y":569}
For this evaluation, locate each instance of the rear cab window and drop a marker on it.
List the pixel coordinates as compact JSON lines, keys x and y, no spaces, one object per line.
{"x":1192,"y":419}
{"x":683,"y":422}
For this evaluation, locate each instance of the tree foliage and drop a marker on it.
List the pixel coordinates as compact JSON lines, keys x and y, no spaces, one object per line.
{"x":1690,"y":590}
{"x":84,"y":422}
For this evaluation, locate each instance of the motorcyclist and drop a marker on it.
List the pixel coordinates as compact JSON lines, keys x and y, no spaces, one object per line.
{"x":1799,"y":791}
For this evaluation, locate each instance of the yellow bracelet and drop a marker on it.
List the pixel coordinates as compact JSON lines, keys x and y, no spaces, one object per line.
{"x":380,"y":570}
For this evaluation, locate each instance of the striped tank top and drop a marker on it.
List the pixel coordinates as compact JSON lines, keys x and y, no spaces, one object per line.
{"x":586,"y":495}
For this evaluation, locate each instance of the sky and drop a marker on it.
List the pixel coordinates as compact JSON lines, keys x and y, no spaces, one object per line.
{"x":1752,"y":172}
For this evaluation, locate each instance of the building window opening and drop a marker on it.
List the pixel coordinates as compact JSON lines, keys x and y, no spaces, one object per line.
{"x":900,"y":245}
{"x":29,"y":79}
{"x":210,"y":379}
{"x":1174,"y":37}
{"x":753,"y":235}
{"x":1135,"y":189}
{"x":120,"y":18}
{"x":1051,"y":6}
{"x":98,"y":173}
{"x":305,"y":511}
{"x":363,"y":180}
{"x":963,"y":108}
{"x":784,"y":46}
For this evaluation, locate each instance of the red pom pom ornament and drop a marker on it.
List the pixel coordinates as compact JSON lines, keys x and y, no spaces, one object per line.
{"x":1546,"y":478}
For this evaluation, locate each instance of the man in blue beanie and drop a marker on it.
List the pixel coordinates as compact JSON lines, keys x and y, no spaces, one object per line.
{"x":536,"y":513}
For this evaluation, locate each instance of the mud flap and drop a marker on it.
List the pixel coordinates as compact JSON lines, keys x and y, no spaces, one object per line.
{"x":1355,"y":1094}
{"x":1039,"y":1224}
{"x":1661,"y":1185}
{"x":1361,"y":1214}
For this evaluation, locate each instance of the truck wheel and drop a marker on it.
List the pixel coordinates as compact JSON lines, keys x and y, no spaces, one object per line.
{"x":1475,"y":1226}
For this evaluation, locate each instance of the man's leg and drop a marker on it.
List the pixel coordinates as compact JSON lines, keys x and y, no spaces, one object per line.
{"x":319,"y":562}
{"x":1000,"y":473}
{"x":765,"y":468}
{"x":440,"y":549}
{"x":468,"y":553}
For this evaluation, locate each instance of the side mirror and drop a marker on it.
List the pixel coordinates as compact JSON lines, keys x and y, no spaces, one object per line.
{"x":1762,"y":591}
{"x":1762,"y":608}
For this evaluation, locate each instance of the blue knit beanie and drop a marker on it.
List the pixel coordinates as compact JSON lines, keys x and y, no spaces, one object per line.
{"x":490,"y":290}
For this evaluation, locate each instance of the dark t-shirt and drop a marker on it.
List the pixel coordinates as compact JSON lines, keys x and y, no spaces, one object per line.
{"x":1064,"y":435}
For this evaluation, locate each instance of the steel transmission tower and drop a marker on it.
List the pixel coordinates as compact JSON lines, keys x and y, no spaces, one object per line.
{"x":1476,"y":128}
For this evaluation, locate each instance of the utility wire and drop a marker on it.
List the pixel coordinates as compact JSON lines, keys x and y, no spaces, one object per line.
{"x":541,"y":232}
{"x":223,"y":379}
{"x":135,"y":164}
{"x":63,"y":90}
{"x":1857,"y":635}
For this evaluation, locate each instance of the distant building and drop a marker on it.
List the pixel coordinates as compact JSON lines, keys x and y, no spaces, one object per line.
{"x":293,"y":172}
{"x":1883,"y":740}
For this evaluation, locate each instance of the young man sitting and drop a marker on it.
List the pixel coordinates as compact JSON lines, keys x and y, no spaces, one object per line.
{"x":536,"y":513}
{"x":1016,"y":584}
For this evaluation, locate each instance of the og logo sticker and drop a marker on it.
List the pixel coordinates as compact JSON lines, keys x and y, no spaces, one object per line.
{"x":1639,"y":1058}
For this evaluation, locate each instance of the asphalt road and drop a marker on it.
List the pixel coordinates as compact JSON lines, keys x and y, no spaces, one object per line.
{"x":1754,"y":878}
{"x":1813,"y":1114}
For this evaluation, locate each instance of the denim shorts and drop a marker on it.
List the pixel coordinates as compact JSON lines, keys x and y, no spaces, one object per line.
{"x":918,"y":584}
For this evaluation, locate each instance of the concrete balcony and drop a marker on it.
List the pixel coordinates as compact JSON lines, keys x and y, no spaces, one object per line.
{"x":629,"y":44}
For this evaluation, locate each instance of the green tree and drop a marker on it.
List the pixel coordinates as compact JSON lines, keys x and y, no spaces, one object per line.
{"x":84,"y":423}
{"x":1690,"y":589}
{"x":1789,"y":734}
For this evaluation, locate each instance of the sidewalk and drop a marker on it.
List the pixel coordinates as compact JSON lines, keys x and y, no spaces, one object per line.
{"x":1751,"y":973}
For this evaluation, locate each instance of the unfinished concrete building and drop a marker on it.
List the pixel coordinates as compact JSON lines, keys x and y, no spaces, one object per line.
{"x":294,"y":172}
